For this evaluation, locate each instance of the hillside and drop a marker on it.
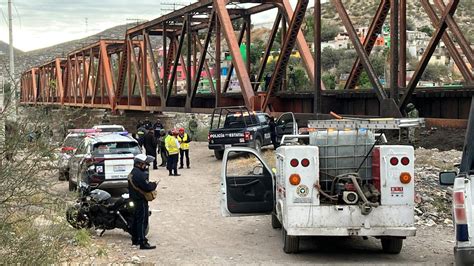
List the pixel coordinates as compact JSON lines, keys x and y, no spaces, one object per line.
{"x":362,"y":12}
{"x":4,"y":49}
{"x":40,"y":56}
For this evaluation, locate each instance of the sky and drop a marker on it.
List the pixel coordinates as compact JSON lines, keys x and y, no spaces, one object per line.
{"x":43,"y":23}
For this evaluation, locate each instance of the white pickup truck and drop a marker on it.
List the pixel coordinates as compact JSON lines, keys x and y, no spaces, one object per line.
{"x":463,"y":186}
{"x":463,"y":198}
{"x":341,"y":184}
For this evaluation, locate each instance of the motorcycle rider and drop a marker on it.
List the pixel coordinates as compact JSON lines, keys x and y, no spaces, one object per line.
{"x":139,"y":177}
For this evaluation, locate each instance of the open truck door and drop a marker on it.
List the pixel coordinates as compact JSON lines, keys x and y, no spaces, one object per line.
{"x":286,"y":125}
{"x":247,"y":183}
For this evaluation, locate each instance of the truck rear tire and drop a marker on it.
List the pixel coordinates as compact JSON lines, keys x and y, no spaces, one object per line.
{"x":61,"y":176}
{"x":392,"y":245}
{"x":218,"y":154}
{"x":291,"y":244}
{"x":275,"y":222}
{"x":258,"y":146}
{"x":72,"y":185}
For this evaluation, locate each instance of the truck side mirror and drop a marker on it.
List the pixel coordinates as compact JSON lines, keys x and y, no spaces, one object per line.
{"x":447,"y":178}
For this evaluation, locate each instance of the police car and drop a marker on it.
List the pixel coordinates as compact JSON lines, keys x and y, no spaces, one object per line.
{"x":70,"y":144}
{"x":103,"y":161}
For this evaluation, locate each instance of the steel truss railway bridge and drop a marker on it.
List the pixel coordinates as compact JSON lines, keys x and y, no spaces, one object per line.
{"x":140,"y":72}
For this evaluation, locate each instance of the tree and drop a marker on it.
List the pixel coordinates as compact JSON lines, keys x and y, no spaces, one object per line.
{"x":328,"y":30}
{"x":426,"y":29}
{"x":32,"y":227}
{"x":435,"y":72}
{"x":256,"y":52}
{"x":329,"y":58}
{"x":329,"y":81}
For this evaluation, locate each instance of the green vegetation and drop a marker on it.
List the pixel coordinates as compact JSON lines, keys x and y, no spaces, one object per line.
{"x":82,"y":238}
{"x":426,"y":29}
{"x":33,"y":228}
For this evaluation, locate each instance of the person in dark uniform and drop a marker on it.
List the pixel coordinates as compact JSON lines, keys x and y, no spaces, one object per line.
{"x":273,"y":134}
{"x":158,"y":126}
{"x":151,"y":145}
{"x":139,"y":177}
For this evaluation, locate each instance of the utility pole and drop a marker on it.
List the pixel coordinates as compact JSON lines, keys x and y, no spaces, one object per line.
{"x":10,"y":38}
{"x":12,"y":59}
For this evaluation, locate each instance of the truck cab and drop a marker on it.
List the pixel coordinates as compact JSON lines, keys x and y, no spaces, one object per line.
{"x":342,"y":184}
{"x":239,"y":127}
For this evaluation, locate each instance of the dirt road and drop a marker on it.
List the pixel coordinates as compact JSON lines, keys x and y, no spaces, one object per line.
{"x":187,"y":227}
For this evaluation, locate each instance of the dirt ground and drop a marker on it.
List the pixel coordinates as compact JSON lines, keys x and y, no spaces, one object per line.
{"x":430,"y":138}
{"x":187,"y":227}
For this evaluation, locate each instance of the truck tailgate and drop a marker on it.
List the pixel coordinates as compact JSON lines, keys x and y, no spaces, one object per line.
{"x":226,"y":136}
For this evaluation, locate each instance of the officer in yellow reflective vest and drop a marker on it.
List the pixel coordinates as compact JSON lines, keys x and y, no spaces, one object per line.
{"x":184,"y":140}
{"x":172,"y":146}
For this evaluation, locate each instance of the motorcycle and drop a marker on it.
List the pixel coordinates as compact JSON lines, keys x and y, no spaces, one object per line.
{"x":97,"y":209}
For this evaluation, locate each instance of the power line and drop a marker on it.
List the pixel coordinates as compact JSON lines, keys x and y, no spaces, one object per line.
{"x":18,"y":14}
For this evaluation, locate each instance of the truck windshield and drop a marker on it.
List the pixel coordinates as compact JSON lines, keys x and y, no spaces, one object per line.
{"x":116,"y":148}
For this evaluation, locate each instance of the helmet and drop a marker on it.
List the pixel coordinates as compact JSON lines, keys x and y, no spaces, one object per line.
{"x":142,"y":158}
{"x":410,"y":106}
{"x":181,"y":130}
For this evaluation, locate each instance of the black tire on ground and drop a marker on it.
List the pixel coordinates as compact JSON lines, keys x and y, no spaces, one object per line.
{"x":218,"y":154}
{"x":72,"y":185}
{"x":258,"y":145}
{"x":392,"y":245}
{"x":61,"y":176}
{"x":291,"y":244}
{"x":76,"y":219}
{"x":275,"y":222}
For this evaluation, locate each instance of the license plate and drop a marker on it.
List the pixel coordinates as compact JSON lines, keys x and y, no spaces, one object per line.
{"x":227,"y":146}
{"x":119,"y":168}
{"x":116,"y":176}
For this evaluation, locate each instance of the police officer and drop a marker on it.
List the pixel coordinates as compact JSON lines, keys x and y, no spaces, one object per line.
{"x":184,"y":140}
{"x":140,"y":179}
{"x":412,"y":112}
{"x":273,"y":133}
{"x":158,"y":126}
{"x":150,"y":146}
{"x":193,"y":127}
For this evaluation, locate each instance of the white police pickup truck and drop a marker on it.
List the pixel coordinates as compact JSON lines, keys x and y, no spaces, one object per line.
{"x":463,"y":198}
{"x":462,"y":214}
{"x":342,"y":184}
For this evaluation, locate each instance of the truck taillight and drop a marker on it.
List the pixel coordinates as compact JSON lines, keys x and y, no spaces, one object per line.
{"x":405,"y":178}
{"x":247,"y":136}
{"x":460,"y":216}
{"x":209,"y":136}
{"x":394,"y":161}
{"x":295,"y":179}
{"x":405,"y":161}
{"x":459,"y":206}
{"x":294,"y":162}
{"x":305,"y":162}
{"x":376,"y":167}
